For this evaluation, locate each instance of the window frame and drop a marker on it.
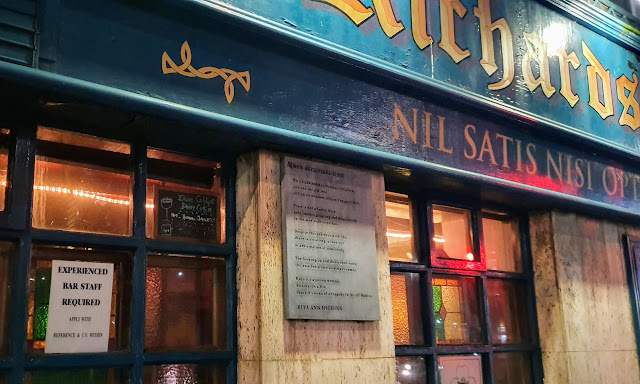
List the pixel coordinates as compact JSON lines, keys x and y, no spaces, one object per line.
{"x":16,"y":227}
{"x":421,"y":202}
{"x":630,"y":244}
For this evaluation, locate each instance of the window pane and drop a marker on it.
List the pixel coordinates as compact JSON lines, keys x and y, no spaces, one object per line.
{"x":511,"y":368}
{"x":411,"y":370}
{"x":82,"y":184}
{"x":186,"y":303}
{"x":405,"y":301}
{"x":399,"y":228}
{"x":456,"y":310}
{"x":4,"y":165}
{"x":78,"y":376}
{"x":501,"y":242}
{"x":452,"y":233}
{"x":6,"y":279}
{"x":40,"y":289}
{"x":184,"y":374}
{"x":460,"y":369}
{"x":185,"y":198}
{"x":508,"y":312}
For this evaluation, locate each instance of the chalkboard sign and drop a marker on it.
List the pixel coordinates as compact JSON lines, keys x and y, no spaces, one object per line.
{"x":186,"y":215}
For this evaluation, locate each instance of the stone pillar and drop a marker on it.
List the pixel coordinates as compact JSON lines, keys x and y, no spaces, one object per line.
{"x":582,"y":298}
{"x":273,"y":350}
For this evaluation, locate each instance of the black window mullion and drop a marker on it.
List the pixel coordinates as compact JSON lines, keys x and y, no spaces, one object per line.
{"x":527,"y":265}
{"x":19,"y":308}
{"x":432,"y":368}
{"x":21,"y":194}
{"x":427,"y":309}
{"x":20,"y":175}
{"x":478,"y":240}
{"x":139,"y":260}
{"x":229,"y":173}
{"x":484,"y":300}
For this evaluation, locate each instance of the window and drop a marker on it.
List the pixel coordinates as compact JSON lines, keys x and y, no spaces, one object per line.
{"x":137,"y":237}
{"x":82,"y":184}
{"x":78,"y":376}
{"x":461,"y":293}
{"x":184,"y":373}
{"x":186,"y":303}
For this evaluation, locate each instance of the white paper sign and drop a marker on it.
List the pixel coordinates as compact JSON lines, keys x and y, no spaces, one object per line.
{"x":329,"y":242}
{"x":79,"y":307}
{"x":460,"y":369}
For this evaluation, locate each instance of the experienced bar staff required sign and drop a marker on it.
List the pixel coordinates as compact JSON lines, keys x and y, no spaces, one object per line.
{"x":79,"y":307}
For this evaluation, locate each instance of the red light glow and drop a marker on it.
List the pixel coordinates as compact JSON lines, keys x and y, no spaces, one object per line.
{"x":470,"y":256}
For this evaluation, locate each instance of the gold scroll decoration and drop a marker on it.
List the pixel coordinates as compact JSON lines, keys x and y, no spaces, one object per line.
{"x":186,"y":69}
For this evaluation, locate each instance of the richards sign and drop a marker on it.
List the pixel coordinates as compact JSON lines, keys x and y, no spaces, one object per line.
{"x":519,"y":53}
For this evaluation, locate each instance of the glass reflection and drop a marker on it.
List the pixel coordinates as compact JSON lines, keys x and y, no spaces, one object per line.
{"x":508,"y":312}
{"x":77,"y":376}
{"x":186,"y":303}
{"x":511,"y":368}
{"x":399,"y":228}
{"x":501,"y":242}
{"x":405,"y":301}
{"x":456,"y":310}
{"x":411,"y":370}
{"x":82,"y":183}
{"x":452,"y":233}
{"x":184,"y":374}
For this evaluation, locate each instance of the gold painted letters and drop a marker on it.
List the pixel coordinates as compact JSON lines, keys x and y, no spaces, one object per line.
{"x":623,"y":84}
{"x":397,"y":114}
{"x":353,"y":9}
{"x":387,"y":18}
{"x":488,"y":62}
{"x":537,"y":50}
{"x":565,"y":75}
{"x":595,"y":70}
{"x":419,"y":23}
{"x":447,"y":27}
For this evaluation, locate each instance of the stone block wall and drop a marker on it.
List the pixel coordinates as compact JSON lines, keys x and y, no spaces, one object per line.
{"x":583,"y":304}
{"x":272,"y":349}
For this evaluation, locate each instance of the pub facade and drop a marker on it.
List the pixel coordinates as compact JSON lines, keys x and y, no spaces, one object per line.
{"x":319,"y":191}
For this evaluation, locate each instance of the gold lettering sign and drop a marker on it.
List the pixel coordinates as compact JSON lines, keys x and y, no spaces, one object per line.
{"x":595,"y":70}
{"x":537,"y":50}
{"x":419,"y":23}
{"x":565,"y":75}
{"x":185,"y":69}
{"x":488,"y":62}
{"x":447,"y":27}
{"x":535,"y":64}
{"x":623,"y":84}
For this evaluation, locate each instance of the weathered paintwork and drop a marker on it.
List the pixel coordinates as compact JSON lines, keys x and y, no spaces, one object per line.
{"x":121,"y":46}
{"x":369,"y":42}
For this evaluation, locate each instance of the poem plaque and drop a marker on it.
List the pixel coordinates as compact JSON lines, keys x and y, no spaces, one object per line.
{"x":330,"y":261}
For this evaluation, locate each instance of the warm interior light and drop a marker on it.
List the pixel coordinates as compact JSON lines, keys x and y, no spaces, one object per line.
{"x":81,"y":193}
{"x":439,"y":239}
{"x":399,"y":235}
{"x":470,"y":256}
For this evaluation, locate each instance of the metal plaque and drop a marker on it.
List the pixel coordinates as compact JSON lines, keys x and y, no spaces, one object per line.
{"x":330,"y":261}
